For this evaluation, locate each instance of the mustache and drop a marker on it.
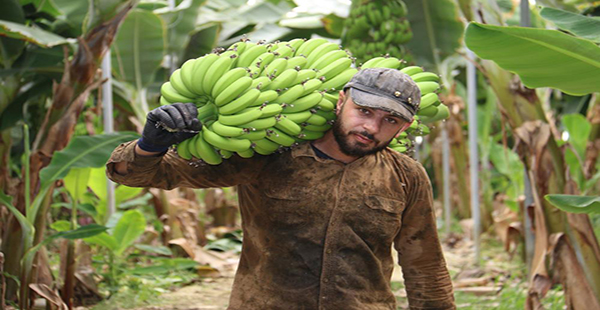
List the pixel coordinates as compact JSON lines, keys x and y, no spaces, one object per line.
{"x":366,"y":134}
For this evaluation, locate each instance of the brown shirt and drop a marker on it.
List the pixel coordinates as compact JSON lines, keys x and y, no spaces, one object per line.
{"x":318,"y":234}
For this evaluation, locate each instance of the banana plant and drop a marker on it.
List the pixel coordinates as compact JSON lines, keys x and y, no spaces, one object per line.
{"x":546,"y":58}
{"x":82,"y":152}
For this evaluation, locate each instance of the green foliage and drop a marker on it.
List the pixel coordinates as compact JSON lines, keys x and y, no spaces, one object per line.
{"x":139,"y":48}
{"x":437,"y":31}
{"x":579,"y":130}
{"x":83,"y":151}
{"x":541,"y":57}
{"x":577,"y":24}
{"x":574,"y":203}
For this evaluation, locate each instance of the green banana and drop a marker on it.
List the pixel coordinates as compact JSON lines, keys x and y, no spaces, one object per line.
{"x":372,"y":63}
{"x":170,"y":94}
{"x":308,"y":135}
{"x":260,"y":82}
{"x":326,"y":105}
{"x":334,"y":68}
{"x":271,"y":109}
{"x":284,"y":80}
{"x":187,"y":74}
{"x":319,"y":128}
{"x":328,"y":58}
{"x":260,"y":62}
{"x":303,"y":103}
{"x":234,"y":90}
{"x":339,"y":81}
{"x":230,"y":77}
{"x":223,"y":143}
{"x":216,"y":70}
{"x":255,"y":134}
{"x":284,"y":51}
{"x":265,"y":97}
{"x":318,"y":52}
{"x":304,"y":75}
{"x":205,"y":151}
{"x":240,"y":103}
{"x":298,"y":117}
{"x":425,"y":77}
{"x":411,"y":70}
{"x":200,"y":69}
{"x":316,"y":119}
{"x":250,"y":54}
{"x":288,"y":126}
{"x":290,"y":95}
{"x":260,"y":124}
{"x":391,"y":62}
{"x":280,"y":137}
{"x":296,"y":62}
{"x":246,"y":154}
{"x":307,"y":47}
{"x":427,"y":100}
{"x":240,"y":118}
{"x":183,"y":149}
{"x":311,"y":85}
{"x":425,"y":87}
{"x":227,"y":131}
{"x":275,"y":68}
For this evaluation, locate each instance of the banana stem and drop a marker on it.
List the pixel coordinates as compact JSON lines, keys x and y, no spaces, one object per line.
{"x":207,"y":112}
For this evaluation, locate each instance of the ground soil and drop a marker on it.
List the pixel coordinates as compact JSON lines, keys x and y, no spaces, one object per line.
{"x":486,"y":280}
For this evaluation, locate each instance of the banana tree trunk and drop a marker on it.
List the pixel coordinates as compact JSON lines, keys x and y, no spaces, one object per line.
{"x":545,"y":165}
{"x":69,"y":96}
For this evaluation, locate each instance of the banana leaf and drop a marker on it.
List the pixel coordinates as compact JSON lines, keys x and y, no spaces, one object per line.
{"x":574,"y":203}
{"x":542,"y":58}
{"x":73,"y":12}
{"x":31,"y":34}
{"x":131,"y":225}
{"x":180,"y":22}
{"x":11,"y":48}
{"x":139,"y":48}
{"x":83,"y":151}
{"x":577,"y":24}
{"x":437,"y":30}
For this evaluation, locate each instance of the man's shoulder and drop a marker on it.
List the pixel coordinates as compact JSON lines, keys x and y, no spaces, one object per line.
{"x":405,"y":162}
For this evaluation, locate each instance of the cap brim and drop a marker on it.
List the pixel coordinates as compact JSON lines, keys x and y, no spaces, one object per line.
{"x":365,"y":99}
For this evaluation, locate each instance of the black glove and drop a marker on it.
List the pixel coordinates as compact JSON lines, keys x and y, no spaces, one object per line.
{"x":168,"y":125}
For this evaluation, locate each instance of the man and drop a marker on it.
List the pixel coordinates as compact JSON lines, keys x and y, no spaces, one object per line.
{"x":319,"y":220}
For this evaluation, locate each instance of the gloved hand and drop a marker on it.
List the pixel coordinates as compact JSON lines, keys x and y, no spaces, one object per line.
{"x":168,"y":125}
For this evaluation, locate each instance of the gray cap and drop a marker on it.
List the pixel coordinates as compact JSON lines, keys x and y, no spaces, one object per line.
{"x":386,"y":89}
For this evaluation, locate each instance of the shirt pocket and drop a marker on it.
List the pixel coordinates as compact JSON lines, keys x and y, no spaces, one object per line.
{"x":287,"y":205}
{"x":381,"y":219}
{"x":389,"y":205}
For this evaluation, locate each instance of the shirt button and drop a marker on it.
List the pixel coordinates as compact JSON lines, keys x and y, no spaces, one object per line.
{"x":326,"y":280}
{"x":328,"y":251}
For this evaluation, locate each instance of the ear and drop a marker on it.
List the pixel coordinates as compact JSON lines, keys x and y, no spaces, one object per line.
{"x":340,"y":102}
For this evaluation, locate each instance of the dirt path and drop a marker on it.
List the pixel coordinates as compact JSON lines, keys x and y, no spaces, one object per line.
{"x":213,"y":293}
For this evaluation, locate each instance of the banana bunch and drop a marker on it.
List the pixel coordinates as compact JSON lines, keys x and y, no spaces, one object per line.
{"x":377,"y":27}
{"x":262,"y":97}
{"x":259,"y":97}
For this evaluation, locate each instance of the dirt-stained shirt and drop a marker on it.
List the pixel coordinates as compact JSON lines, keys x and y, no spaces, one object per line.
{"x":318,"y":233}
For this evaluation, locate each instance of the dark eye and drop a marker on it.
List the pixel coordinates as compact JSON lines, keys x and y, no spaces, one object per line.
{"x":364,"y":111}
{"x":391,"y":120}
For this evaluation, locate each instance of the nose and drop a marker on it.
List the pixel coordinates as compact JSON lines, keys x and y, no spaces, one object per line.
{"x":371,"y":125}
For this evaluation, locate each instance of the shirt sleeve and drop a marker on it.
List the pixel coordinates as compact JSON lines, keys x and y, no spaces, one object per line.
{"x":426,"y":277}
{"x":171,"y":171}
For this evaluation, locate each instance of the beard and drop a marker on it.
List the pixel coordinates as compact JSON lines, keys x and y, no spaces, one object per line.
{"x":357,"y":149}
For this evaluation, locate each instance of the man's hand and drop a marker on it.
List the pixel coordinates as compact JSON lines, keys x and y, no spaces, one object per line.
{"x":168,"y":125}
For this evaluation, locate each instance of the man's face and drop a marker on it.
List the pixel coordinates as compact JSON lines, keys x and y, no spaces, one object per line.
{"x":361,"y":131}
